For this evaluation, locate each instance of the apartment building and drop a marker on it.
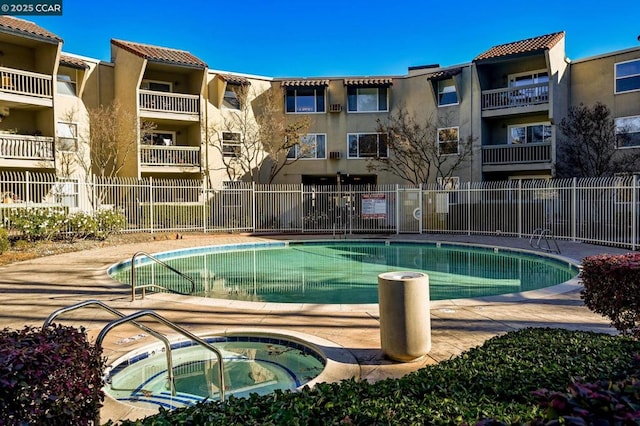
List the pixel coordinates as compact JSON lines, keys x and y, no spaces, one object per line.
{"x":29,"y":62}
{"x":508,"y":101}
{"x":614,"y":80}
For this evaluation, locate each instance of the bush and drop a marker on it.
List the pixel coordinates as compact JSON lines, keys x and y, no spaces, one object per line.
{"x":49,"y":376}
{"x":602,"y":402}
{"x":81,"y":226}
{"x":4,"y":240}
{"x":494,"y":381}
{"x":110,"y":221}
{"x":612,"y":289}
{"x":38,"y":223}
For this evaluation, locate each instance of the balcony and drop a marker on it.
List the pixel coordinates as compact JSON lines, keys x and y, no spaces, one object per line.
{"x":516,"y":97}
{"x":17,"y":87}
{"x":515,"y":155}
{"x":171,"y":156}
{"x":23,"y":147}
{"x":163,"y":105}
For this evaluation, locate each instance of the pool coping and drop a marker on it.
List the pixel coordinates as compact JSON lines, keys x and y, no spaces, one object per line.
{"x":340,"y":363}
{"x":546,"y":292}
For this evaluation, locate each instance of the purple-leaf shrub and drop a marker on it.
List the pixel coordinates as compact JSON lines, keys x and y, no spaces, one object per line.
{"x":49,"y":376}
{"x":612,"y":288}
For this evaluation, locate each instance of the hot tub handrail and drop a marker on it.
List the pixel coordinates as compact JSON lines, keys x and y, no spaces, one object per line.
{"x":160,"y":262}
{"x":132,"y":317}
{"x":100,"y":304}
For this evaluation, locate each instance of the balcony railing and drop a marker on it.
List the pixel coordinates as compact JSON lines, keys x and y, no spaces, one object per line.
{"x":24,"y":147}
{"x":532,"y":94}
{"x":169,"y":102}
{"x":516,"y":154}
{"x":25,"y":83}
{"x":182,"y":156}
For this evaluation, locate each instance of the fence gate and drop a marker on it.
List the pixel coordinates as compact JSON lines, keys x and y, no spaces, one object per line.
{"x":409,"y":213}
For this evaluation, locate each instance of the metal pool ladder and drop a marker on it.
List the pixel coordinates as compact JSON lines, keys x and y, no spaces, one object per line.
{"x":123,"y":319}
{"x":541,"y":235}
{"x":159,"y":262}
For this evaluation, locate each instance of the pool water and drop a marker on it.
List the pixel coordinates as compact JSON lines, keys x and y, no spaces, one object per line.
{"x":252,"y":364}
{"x":346,"y":272}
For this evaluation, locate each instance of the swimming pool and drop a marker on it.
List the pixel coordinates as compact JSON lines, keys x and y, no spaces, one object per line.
{"x":345,"y":272}
{"x":252,"y":364}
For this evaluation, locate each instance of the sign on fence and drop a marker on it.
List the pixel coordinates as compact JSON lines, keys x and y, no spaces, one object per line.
{"x":374,"y":206}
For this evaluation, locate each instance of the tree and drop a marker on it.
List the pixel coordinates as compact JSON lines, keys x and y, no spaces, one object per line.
{"x":104,"y":148}
{"x":262,"y":138}
{"x":418,"y":148}
{"x":113,"y":136}
{"x":589,"y":144}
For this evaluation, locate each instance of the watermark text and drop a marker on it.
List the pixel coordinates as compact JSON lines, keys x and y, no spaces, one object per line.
{"x":30,"y":7}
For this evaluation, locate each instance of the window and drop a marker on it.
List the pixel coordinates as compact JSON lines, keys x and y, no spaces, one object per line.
{"x":367,"y":145}
{"x":529,"y":79}
{"x":231,"y":99}
{"x":530,"y":133}
{"x":628,"y":132}
{"x":310,"y":146}
{"x":628,"y":76}
{"x":367,"y":99}
{"x":448,"y":140}
{"x":157,"y":86}
{"x":305,"y":99}
{"x":67,"y":135}
{"x":65,"y":192}
{"x":231,"y":144}
{"x":161,"y":138}
{"x":525,"y":79}
{"x":66,"y":81}
{"x":447,"y":94}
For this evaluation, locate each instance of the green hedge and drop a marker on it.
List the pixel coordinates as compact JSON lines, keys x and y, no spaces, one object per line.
{"x":495,"y":381}
{"x":4,"y":240}
{"x":173,"y":216}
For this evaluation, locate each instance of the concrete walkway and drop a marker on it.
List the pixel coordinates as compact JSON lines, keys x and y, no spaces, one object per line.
{"x":31,"y":290}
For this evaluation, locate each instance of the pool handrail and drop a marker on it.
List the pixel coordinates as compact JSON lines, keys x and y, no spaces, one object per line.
{"x":100,"y":304}
{"x":175,"y":327}
{"x":160,"y":262}
{"x":544,"y":234}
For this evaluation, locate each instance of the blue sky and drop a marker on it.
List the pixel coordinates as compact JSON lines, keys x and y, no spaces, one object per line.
{"x":287,"y":38}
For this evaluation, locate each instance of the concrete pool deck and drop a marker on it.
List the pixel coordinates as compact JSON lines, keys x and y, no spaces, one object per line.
{"x":31,"y":290}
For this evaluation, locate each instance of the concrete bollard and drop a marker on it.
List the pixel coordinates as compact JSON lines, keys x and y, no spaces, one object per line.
{"x":405,"y":320}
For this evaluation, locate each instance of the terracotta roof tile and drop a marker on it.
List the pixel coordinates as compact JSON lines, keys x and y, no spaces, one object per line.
{"x":69,"y":61}
{"x":303,"y":82}
{"x":21,"y":26}
{"x":444,"y":74}
{"x":235,"y":79}
{"x":544,"y":42}
{"x":369,"y":81}
{"x":160,"y":54}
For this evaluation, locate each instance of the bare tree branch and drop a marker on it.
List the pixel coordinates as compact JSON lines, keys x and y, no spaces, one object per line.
{"x":265,"y":137}
{"x":417,"y":152}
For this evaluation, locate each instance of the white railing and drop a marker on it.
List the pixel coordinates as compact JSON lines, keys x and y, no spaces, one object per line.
{"x":26,"y":147}
{"x":25,"y":83}
{"x":602,"y":211}
{"x":169,"y":102}
{"x":532,"y":94}
{"x":515,"y":154}
{"x":169,"y":156}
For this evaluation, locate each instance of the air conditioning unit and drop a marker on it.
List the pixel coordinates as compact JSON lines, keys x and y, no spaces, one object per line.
{"x":335,"y":107}
{"x":335,"y":155}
